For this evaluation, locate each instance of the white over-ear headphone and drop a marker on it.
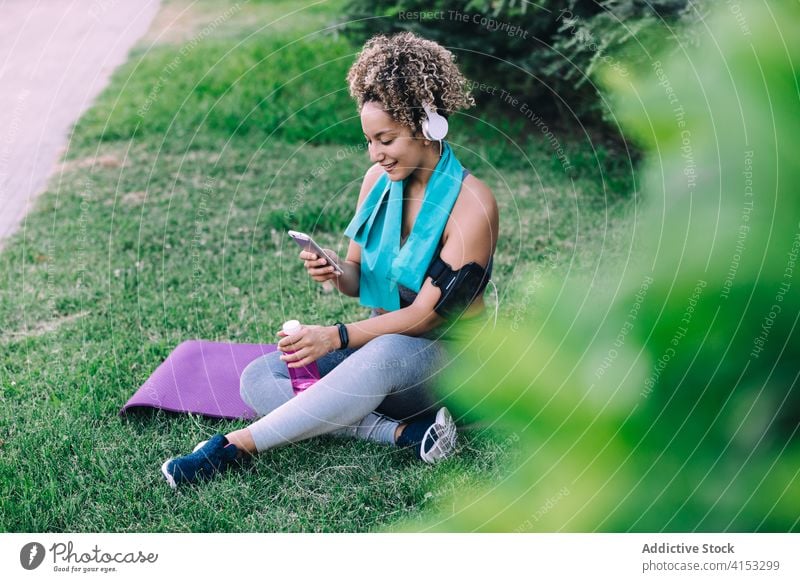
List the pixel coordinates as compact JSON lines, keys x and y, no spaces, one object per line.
{"x":434,"y":126}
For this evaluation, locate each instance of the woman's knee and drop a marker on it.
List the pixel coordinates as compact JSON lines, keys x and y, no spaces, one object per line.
{"x":395,"y":354}
{"x":388,"y":343}
{"x":397,"y":347}
{"x":261,"y":385}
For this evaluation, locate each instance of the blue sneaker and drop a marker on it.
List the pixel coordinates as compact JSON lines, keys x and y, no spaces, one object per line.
{"x":215,"y":455}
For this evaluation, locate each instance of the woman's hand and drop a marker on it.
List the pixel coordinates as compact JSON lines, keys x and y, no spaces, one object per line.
{"x":308,"y":344}
{"x":318,"y":267}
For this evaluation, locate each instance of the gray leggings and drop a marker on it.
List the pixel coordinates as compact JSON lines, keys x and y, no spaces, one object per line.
{"x":391,"y":375}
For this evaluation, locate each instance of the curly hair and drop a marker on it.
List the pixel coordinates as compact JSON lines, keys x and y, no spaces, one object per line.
{"x":404,"y":71}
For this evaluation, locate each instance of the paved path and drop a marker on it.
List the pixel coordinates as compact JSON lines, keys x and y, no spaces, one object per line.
{"x":55,"y":57}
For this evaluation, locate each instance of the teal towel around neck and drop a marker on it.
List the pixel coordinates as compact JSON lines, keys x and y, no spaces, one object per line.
{"x":376,"y":228}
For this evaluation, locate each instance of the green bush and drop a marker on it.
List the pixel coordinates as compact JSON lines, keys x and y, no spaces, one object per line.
{"x":670,"y":400}
{"x":546,"y":53}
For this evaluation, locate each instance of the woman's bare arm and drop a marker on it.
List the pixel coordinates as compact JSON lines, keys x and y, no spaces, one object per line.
{"x":470,"y":236}
{"x":348,"y":282}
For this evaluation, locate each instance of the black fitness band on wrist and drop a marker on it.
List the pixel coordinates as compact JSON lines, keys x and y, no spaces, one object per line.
{"x":344,"y":337}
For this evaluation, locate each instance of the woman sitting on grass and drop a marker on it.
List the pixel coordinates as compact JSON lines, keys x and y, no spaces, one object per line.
{"x":420,"y":256}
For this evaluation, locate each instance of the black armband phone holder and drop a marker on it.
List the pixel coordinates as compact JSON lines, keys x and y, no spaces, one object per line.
{"x":459,"y":287}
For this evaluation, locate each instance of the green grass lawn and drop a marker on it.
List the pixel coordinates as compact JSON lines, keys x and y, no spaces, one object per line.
{"x":167,"y":222}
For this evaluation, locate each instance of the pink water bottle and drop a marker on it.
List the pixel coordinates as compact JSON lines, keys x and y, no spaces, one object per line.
{"x":302,"y":378}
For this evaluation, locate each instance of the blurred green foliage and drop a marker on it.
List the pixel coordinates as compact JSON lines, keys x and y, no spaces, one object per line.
{"x":671,"y":402}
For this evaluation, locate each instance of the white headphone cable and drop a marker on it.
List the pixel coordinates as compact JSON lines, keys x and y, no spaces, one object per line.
{"x":496,"y":303}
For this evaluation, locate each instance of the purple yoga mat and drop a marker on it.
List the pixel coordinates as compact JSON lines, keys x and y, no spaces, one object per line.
{"x":200,"y":377}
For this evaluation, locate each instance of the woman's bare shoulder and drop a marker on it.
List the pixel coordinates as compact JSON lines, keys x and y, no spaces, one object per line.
{"x":474,"y":223}
{"x":370,"y":177}
{"x":476,"y":200}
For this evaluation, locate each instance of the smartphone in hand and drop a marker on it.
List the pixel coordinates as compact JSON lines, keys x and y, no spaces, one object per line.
{"x":309,"y":244}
